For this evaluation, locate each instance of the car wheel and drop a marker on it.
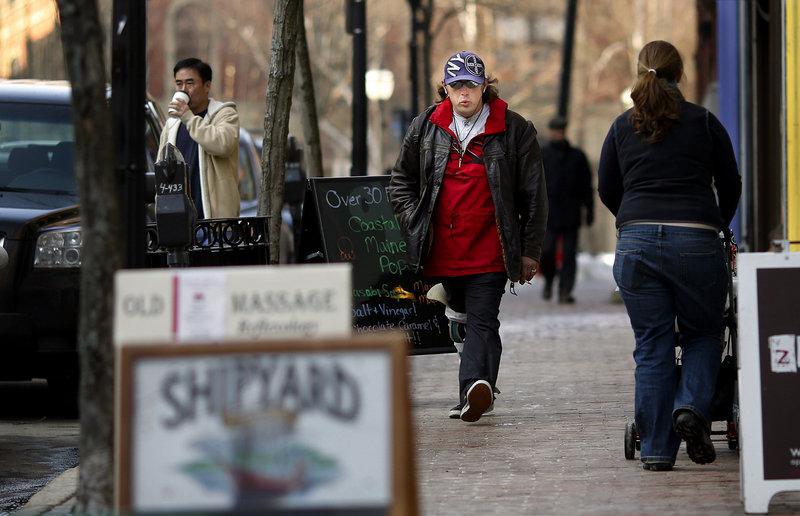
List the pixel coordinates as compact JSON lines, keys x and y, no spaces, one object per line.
{"x":62,"y":397}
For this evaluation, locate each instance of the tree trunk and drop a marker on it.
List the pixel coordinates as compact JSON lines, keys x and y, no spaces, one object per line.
{"x":429,"y":33}
{"x":308,"y":102}
{"x":82,"y":40}
{"x":276,"y":118}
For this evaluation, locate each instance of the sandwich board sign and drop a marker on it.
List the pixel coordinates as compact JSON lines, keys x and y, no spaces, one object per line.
{"x":241,"y":390}
{"x":769,"y":376}
{"x":247,"y":303}
{"x":351,"y":220}
{"x":312,"y":426}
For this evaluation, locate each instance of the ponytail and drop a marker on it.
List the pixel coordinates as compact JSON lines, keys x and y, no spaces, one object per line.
{"x":656,"y":98}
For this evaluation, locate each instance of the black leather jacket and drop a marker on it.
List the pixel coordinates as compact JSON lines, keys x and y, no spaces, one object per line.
{"x":513,"y":164}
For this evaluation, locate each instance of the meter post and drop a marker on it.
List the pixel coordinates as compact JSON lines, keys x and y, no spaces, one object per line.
{"x":295,"y":186}
{"x":176,"y":214}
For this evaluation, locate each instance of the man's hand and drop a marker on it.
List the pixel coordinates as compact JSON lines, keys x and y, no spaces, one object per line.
{"x":177,"y":108}
{"x":528,"y":271}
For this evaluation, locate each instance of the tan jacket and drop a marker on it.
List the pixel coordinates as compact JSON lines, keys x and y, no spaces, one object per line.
{"x":217,"y":137}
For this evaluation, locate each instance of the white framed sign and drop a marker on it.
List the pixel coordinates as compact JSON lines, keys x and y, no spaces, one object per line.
{"x":250,"y":303}
{"x":769,"y":376}
{"x":321,"y":426}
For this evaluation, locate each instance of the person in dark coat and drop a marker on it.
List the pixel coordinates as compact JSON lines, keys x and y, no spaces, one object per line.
{"x":571,"y":200}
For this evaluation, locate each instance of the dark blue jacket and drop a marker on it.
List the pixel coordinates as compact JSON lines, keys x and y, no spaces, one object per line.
{"x":689,"y":176}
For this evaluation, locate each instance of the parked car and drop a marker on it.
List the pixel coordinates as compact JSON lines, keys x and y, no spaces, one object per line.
{"x":295,"y":184}
{"x":249,"y":186}
{"x":40,"y":233}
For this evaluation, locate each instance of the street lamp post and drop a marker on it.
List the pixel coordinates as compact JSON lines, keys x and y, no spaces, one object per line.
{"x":380,"y":86}
{"x":412,"y":47}
{"x":357,"y":26}
{"x":566,"y":59}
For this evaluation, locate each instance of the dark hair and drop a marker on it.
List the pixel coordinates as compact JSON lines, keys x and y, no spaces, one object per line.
{"x":656,"y":97}
{"x":492,"y":91}
{"x":203,"y":70}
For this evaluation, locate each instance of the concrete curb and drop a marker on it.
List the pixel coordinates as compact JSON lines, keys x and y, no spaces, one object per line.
{"x":56,"y":498}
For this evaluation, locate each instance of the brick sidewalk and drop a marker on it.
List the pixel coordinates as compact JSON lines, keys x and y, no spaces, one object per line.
{"x":555,"y":441}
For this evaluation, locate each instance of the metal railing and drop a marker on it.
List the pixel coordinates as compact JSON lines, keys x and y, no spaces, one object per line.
{"x":217,"y":242}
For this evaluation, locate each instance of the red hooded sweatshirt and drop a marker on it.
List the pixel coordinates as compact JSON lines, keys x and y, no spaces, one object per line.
{"x":464,"y":237}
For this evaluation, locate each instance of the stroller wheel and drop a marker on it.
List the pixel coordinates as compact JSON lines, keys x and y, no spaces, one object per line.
{"x":733,"y":436}
{"x":630,"y":441}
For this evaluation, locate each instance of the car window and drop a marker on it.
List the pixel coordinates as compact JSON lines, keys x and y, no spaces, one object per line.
{"x":247,"y":171}
{"x":37,"y":147}
{"x":153,"y":127}
{"x":150,"y":144}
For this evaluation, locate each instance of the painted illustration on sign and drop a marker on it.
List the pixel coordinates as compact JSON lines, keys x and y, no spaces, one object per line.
{"x":260,"y":460}
{"x":257,"y":431}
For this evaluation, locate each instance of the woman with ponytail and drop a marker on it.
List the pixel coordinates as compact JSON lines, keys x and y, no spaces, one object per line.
{"x":668,"y":173}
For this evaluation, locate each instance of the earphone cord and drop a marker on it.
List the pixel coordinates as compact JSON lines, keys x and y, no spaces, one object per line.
{"x":461,"y":141}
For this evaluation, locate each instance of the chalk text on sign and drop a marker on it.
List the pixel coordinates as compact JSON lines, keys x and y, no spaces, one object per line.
{"x":386,"y":264}
{"x":358,"y":224}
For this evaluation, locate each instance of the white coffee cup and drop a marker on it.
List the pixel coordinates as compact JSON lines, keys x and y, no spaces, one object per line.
{"x":178,"y":95}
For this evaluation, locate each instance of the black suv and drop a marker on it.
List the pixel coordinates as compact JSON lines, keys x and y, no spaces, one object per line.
{"x":40,"y":233}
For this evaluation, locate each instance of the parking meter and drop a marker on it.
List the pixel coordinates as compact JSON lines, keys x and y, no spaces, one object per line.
{"x":295,"y":186}
{"x":295,"y":175}
{"x":176,"y":214}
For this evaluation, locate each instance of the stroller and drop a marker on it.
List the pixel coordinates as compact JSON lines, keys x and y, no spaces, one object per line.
{"x":725,"y":405}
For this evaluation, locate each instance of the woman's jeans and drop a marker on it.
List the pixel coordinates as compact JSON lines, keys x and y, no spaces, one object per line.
{"x":478,"y":295}
{"x":666,"y":273}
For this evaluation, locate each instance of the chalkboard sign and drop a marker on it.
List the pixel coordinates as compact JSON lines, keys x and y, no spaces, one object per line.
{"x":350,"y":219}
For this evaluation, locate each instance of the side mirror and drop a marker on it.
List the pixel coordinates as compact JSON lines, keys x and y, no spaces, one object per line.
{"x":149,"y":186}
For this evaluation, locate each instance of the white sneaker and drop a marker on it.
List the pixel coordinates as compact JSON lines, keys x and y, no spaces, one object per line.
{"x":455,"y":412}
{"x":479,"y":399}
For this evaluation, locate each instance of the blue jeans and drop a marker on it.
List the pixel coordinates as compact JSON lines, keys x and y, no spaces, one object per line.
{"x":668,"y":273}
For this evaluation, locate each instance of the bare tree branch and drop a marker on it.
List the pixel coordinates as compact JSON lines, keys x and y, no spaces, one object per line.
{"x":308,"y":104}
